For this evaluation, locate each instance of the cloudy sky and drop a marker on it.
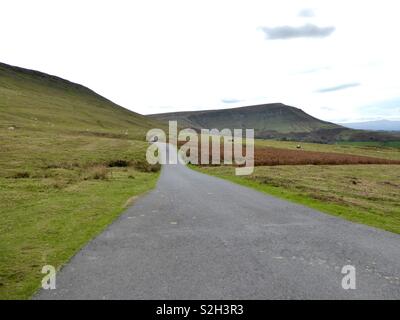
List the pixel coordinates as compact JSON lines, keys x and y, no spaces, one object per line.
{"x":337,"y":60}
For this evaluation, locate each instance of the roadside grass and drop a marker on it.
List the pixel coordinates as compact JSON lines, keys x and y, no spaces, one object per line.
{"x":57,"y":192}
{"x":367,"y":194}
{"x":43,"y":224}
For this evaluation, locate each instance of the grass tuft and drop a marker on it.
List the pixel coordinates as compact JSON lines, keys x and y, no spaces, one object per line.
{"x":97,"y":173}
{"x":21,"y":175}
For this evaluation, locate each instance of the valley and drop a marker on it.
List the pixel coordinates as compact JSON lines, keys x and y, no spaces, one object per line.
{"x":73,"y":161}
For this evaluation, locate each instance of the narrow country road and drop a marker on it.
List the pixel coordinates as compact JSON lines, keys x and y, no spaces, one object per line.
{"x":200,"y":237}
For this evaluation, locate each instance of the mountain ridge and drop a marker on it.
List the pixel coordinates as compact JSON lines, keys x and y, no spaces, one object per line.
{"x":263,"y":117}
{"x":273,"y":121}
{"x":376,"y":125}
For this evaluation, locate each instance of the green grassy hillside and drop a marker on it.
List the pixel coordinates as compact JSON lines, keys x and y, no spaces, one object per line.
{"x":70,"y":161}
{"x":40,"y":102}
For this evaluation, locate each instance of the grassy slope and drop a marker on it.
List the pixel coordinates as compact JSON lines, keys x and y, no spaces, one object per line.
{"x":45,"y":103}
{"x":366,"y":194}
{"x":57,"y":191}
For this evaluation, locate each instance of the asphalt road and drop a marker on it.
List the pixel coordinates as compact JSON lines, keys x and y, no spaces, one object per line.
{"x":200,"y":237}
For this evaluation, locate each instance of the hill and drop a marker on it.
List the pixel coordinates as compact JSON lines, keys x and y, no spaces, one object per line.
{"x":267,"y":117}
{"x":71,"y":160}
{"x":35,"y":100}
{"x":273,"y":121}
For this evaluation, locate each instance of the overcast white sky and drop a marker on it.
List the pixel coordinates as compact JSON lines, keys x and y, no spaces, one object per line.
{"x":337,"y":60}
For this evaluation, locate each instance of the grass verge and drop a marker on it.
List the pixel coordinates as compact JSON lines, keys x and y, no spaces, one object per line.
{"x":45,"y":225}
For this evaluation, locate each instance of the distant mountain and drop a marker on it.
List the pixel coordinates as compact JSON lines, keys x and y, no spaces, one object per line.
{"x":275,"y":117}
{"x":273,"y":121}
{"x":378,"y":125}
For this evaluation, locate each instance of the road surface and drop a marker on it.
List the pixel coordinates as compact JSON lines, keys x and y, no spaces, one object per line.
{"x":199,"y":237}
